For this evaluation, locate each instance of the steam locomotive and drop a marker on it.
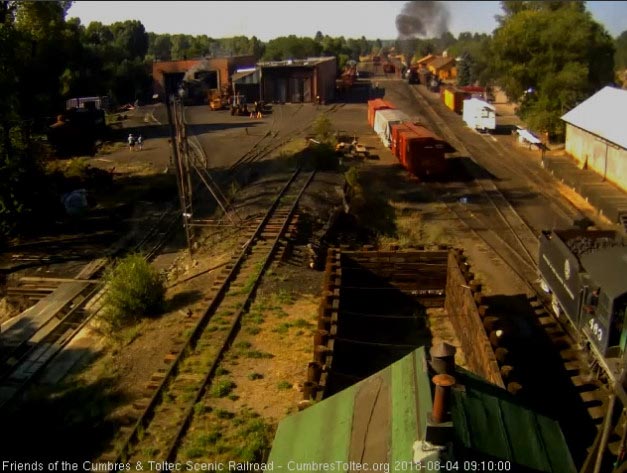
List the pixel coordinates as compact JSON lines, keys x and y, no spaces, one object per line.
{"x":585,"y":272}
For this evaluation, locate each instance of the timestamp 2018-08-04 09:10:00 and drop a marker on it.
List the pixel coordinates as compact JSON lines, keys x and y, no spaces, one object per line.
{"x":453,"y":465}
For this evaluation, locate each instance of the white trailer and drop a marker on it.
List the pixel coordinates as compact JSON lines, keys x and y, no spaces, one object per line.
{"x":479,"y":115}
{"x":383,"y":121}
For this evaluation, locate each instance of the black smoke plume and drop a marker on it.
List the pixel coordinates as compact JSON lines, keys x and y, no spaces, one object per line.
{"x":422,"y":19}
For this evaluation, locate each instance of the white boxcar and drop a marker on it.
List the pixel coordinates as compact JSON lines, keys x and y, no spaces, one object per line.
{"x":383,"y":121}
{"x":479,"y":115}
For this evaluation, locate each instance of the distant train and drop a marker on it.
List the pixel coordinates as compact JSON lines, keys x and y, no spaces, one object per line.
{"x":585,"y":272}
{"x":417,"y":148}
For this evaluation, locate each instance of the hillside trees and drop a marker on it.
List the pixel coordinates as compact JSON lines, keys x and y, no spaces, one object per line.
{"x":529,"y":53}
{"x":293,"y":47}
{"x":475,"y":51}
{"x":620,"y":57}
{"x":17,"y":162}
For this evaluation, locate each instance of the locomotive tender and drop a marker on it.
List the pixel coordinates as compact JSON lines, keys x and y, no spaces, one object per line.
{"x":585,"y":271}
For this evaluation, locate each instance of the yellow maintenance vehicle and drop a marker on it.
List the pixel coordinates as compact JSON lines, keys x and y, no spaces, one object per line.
{"x":219,"y":98}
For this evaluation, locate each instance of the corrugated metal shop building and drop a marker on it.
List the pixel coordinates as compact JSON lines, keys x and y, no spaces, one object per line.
{"x":596,"y":135}
{"x":396,"y":420}
{"x":214,"y":72}
{"x":298,"y":80}
{"x":246,"y":82}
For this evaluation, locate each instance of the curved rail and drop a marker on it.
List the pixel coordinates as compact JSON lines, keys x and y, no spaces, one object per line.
{"x":201,"y":342}
{"x":15,"y":374}
{"x":525,"y":268}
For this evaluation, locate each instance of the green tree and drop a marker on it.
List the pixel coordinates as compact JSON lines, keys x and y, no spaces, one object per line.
{"x":257,"y":47}
{"x":323,"y":129}
{"x":620,"y":58}
{"x":180,"y":46}
{"x":160,"y":46}
{"x":42,"y":26}
{"x":134,"y":290}
{"x":528,"y":51}
{"x":464,"y":70}
{"x":130,"y":38}
{"x":291,"y":47}
{"x":18,"y":164}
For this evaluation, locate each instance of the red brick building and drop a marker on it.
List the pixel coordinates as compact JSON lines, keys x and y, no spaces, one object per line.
{"x":215,"y":72}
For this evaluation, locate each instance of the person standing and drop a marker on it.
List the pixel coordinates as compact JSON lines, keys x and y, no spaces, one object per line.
{"x":131,"y":142}
{"x":140,"y":142}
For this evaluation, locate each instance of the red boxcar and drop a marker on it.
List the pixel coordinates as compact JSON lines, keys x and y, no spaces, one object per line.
{"x":422,"y":152}
{"x":397,"y":129}
{"x":377,"y":104}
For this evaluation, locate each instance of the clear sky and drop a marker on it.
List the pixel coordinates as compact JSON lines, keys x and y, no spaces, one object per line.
{"x":270,"y":19}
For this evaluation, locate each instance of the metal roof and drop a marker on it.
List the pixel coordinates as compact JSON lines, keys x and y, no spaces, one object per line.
{"x":375,"y":420}
{"x":607,"y":268}
{"x":527,"y":135}
{"x":380,"y":418}
{"x":310,"y":61}
{"x":481,"y":103}
{"x":241,"y":74}
{"x":490,"y":422}
{"x":441,"y":62}
{"x":604,"y":114}
{"x":392,"y":114}
{"x":426,"y":59}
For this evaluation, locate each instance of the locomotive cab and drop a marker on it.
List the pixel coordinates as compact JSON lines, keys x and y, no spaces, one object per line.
{"x":604,"y":305}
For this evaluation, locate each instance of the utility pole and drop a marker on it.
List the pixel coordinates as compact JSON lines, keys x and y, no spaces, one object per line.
{"x":179,"y":178}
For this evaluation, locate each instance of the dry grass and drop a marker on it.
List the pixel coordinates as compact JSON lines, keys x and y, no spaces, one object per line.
{"x":263,"y":373}
{"x":417,"y":227}
{"x":292,"y":147}
{"x":111,"y":147}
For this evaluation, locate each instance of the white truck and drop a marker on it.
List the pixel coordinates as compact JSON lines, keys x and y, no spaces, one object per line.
{"x":479,"y":115}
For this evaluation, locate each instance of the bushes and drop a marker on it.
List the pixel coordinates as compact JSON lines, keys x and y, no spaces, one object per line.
{"x":324,"y":157}
{"x":134,"y":289}
{"x":323,"y":129}
{"x":369,"y":206}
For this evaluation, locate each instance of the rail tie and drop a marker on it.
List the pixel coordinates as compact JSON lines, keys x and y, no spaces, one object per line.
{"x":173,"y":426}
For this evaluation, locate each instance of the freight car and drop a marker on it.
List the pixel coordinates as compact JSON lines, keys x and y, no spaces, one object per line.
{"x":377,"y":104}
{"x":421,"y":152}
{"x":383,"y":121}
{"x":454,"y":98}
{"x":397,"y":129}
{"x":584,"y":272}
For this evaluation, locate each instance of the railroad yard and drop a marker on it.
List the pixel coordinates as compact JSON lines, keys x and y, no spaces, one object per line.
{"x":249,"y":324}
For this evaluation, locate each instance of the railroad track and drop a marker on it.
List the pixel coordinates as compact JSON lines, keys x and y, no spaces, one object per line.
{"x":165,"y":415}
{"x":276,"y":139}
{"x":515,"y":252}
{"x":21,"y":363}
{"x":566,"y":210}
